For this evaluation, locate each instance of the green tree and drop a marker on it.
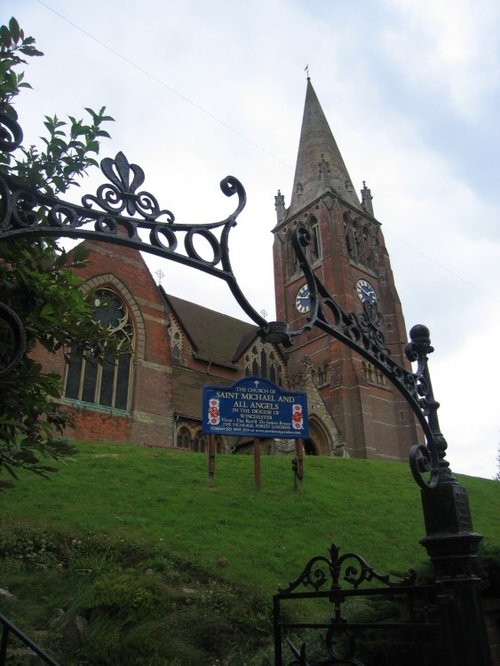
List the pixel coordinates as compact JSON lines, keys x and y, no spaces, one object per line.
{"x":36,"y":278}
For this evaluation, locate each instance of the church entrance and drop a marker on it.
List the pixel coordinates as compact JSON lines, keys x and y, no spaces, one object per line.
{"x":310,"y":448}
{"x":319,"y":442}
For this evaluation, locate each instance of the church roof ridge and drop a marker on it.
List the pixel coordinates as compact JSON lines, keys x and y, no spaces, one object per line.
{"x":228,"y":333}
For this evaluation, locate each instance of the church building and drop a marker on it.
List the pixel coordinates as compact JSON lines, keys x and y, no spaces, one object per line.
{"x":150,"y":395}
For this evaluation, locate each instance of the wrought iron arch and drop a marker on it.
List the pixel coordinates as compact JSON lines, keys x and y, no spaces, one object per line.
{"x":120,"y":212}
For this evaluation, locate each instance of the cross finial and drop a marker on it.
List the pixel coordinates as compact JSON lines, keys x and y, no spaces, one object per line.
{"x":160,"y":274}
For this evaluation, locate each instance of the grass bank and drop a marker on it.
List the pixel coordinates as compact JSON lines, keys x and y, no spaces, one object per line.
{"x":128,"y":530}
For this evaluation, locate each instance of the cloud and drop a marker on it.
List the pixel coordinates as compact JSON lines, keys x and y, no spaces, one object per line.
{"x":202,"y":90}
{"x":447,"y":48}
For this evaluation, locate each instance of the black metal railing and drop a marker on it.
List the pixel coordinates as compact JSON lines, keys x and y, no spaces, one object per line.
{"x":8,"y":631}
{"x":332,"y":587}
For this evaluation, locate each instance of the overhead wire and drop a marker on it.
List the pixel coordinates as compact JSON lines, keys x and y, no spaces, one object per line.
{"x":228,"y":127}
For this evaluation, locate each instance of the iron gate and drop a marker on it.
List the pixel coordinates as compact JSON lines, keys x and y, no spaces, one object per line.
{"x":342,"y":590}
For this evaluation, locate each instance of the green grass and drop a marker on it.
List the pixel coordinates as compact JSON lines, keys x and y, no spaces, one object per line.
{"x":167,"y":570}
{"x":161,"y":500}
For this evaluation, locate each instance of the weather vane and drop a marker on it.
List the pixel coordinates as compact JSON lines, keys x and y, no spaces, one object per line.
{"x":306,"y":69}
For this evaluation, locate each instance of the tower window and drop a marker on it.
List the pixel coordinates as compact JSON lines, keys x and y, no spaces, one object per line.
{"x":104,"y":381}
{"x":314,"y":248}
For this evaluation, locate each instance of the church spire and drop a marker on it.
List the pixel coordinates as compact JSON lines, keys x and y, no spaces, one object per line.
{"x":320,"y":167}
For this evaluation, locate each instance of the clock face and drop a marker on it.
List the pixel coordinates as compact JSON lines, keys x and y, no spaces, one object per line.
{"x":365,"y":291}
{"x":303,"y":299}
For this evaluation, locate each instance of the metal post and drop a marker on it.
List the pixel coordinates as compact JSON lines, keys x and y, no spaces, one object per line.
{"x":454,"y":559}
{"x":451,"y":542}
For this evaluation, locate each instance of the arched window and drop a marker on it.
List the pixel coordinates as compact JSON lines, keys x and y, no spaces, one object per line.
{"x":255,"y":362}
{"x":261,"y":361}
{"x":314,"y":247}
{"x":292,"y":261}
{"x":183,"y":440}
{"x":106,"y":381}
{"x":200,"y":442}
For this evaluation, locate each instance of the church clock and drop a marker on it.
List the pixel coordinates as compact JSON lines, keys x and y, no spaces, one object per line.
{"x":365,"y":291}
{"x":303,"y":299}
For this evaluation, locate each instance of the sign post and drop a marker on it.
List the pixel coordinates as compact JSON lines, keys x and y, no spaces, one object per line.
{"x":255,"y":407}
{"x":256,"y":463}
{"x":298,"y":464}
{"x":211,"y":460}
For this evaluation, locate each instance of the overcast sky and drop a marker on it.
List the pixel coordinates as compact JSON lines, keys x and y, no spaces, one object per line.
{"x":201,"y":89}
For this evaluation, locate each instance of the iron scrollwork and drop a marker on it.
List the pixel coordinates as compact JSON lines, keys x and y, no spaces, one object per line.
{"x":326,"y":576}
{"x":13,"y":339}
{"x":120,"y":213}
{"x":327,"y":572}
{"x":362,"y":332}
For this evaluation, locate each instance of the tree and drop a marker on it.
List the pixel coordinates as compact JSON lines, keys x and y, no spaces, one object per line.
{"x":36,"y":278}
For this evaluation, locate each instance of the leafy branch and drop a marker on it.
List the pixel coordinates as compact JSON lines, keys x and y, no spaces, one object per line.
{"x":37,"y":279}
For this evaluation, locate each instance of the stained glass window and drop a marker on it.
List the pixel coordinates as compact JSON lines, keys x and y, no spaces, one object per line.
{"x":106,"y":381}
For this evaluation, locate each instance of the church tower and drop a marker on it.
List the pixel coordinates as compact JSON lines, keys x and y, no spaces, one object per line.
{"x":349,"y":256}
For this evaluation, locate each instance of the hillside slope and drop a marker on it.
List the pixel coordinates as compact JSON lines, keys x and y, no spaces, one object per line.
{"x":160,"y":499}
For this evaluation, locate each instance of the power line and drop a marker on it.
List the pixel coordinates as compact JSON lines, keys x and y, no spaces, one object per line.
{"x":441,"y":266}
{"x":162,"y":83}
{"x":188,"y":100}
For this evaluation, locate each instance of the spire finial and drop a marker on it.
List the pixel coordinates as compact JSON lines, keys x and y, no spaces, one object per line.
{"x":306,"y":69}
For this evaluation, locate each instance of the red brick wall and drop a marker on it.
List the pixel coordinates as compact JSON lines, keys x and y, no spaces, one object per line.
{"x":373,"y":420}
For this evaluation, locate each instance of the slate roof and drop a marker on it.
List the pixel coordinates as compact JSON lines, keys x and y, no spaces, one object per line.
{"x":215,"y":337}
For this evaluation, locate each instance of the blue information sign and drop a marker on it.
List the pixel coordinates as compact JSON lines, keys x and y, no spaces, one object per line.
{"x":254,"y":407}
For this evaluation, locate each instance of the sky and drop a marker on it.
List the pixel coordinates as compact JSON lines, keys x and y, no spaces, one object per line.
{"x":208,"y":88}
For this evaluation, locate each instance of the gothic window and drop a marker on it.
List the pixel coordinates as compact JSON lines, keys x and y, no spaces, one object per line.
{"x":255,"y":362}
{"x":261,"y":361}
{"x":183,"y":438}
{"x":176,"y":346}
{"x":200,"y":442}
{"x":361,"y":240}
{"x":322,"y":375}
{"x":349,"y":240}
{"x":292,"y":261}
{"x":272,"y":369}
{"x":104,"y":381}
{"x":373,"y":375}
{"x":175,"y":339}
{"x":314,"y":247}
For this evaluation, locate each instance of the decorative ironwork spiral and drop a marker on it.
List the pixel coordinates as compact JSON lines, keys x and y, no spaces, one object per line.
{"x":362,"y":333}
{"x":13,"y":339}
{"x":121,"y":213}
{"x":11,"y":134}
{"x":328,"y":572}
